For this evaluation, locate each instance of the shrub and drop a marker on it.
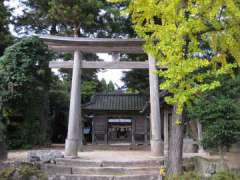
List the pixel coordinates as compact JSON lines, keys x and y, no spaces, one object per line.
{"x":226,"y":175}
{"x":186,"y":176}
{"x":24,"y":88}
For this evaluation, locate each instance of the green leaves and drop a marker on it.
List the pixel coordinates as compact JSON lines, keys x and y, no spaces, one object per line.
{"x":77,"y":14}
{"x":218,"y":110}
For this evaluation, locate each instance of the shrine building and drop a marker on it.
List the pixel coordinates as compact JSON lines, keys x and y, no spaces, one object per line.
{"x":114,"y":118}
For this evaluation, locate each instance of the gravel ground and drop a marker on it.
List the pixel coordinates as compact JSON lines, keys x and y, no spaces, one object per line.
{"x":99,"y":155}
{"x":120,"y":154}
{"x":20,"y":155}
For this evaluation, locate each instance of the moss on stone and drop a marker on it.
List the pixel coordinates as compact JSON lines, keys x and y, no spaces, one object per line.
{"x":29,"y":171}
{"x":6,"y":173}
{"x":22,"y":172}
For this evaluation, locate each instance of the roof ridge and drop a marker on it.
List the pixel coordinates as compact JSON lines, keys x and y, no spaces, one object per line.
{"x":116,"y":101}
{"x":120,"y":94}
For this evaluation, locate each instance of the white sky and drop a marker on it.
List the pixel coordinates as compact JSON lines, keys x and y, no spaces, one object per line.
{"x":113,"y":75}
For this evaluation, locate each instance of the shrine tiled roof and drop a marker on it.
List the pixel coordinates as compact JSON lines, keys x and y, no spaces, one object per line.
{"x":116,"y":102}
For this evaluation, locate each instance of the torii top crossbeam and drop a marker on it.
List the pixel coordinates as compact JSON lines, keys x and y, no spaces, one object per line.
{"x":94,"y":45}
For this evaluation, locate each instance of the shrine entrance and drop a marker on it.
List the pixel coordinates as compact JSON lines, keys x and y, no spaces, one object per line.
{"x":78,"y":46}
{"x":119,"y":130}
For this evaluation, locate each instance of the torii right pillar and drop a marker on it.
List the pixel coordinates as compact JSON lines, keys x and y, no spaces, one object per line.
{"x":157,"y":146}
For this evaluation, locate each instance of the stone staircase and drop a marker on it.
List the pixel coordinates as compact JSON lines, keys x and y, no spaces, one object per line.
{"x":79,"y":169}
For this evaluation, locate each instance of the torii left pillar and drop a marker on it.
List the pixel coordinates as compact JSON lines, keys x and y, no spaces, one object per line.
{"x":73,"y":136}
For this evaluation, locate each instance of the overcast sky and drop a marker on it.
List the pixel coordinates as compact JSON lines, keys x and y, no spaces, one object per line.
{"x":109,"y":75}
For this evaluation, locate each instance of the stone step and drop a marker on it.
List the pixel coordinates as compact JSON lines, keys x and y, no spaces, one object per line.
{"x":60,"y":169}
{"x":90,"y":163}
{"x":116,"y":170}
{"x":104,"y":177}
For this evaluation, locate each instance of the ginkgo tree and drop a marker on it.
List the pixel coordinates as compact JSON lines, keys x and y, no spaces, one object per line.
{"x":197,"y":41}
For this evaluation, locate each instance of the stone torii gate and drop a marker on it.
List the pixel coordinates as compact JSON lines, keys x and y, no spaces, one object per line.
{"x":102,"y":45}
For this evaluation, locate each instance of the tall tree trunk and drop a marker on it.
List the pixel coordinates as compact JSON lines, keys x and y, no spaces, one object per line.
{"x":76,"y":31}
{"x":194,"y":130}
{"x":3,"y":151}
{"x":223,"y":164}
{"x":3,"y":147}
{"x":46,"y":124}
{"x":53,"y":30}
{"x":175,"y":156}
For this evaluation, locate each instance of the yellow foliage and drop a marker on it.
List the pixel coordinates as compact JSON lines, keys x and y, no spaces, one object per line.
{"x":178,"y":122}
{"x":162,"y":171}
{"x":194,"y":39}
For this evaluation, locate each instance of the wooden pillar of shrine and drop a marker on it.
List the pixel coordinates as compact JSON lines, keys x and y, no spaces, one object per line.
{"x":93,"y":132}
{"x":146,"y":130}
{"x":133,"y":131}
{"x":166,"y":129}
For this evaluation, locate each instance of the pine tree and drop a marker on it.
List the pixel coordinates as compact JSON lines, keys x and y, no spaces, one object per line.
{"x":93,"y":17}
{"x":5,"y":36}
{"x":35,"y":18}
{"x":103,"y":86}
{"x":137,"y":81}
{"x":79,"y":15}
{"x":110,"y":87}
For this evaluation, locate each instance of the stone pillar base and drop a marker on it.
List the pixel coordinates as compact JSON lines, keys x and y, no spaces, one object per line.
{"x":157,"y":148}
{"x":71,"y":147}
